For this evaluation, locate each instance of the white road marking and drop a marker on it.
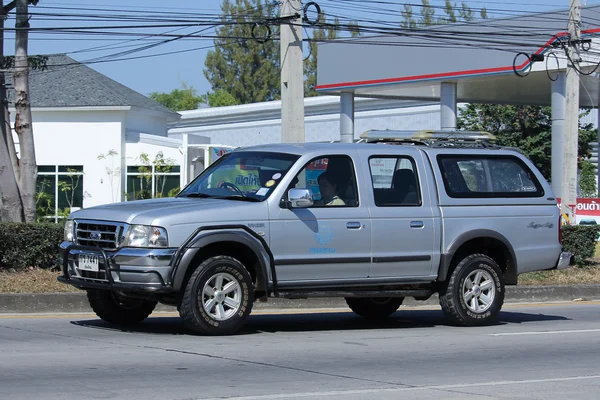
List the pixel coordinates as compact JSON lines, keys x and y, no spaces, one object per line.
{"x":544,"y":332}
{"x":401,"y":389}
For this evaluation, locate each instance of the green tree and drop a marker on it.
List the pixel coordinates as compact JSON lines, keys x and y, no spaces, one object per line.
{"x":587,"y":179}
{"x":449,"y":9}
{"x":239,"y":65}
{"x":220,"y":98}
{"x":17,"y":173}
{"x":179,"y":99}
{"x":408,"y":15}
{"x":527,"y":128}
{"x":427,"y":14}
{"x":241,"y":70}
{"x":454,"y":13}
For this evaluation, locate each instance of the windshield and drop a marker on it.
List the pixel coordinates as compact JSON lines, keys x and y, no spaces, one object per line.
{"x":247,"y":176}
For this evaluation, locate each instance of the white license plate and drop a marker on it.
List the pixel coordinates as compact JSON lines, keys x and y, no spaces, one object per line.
{"x":88,"y":262}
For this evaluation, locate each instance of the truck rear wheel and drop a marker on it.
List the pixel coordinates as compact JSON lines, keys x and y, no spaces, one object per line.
{"x":474,"y":293}
{"x":218,"y":297}
{"x":374,"y":308}
{"x":116,"y":309}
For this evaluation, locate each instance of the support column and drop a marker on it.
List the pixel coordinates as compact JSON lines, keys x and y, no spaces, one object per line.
{"x":559,"y":108}
{"x":347,"y":117}
{"x":448,"y":106}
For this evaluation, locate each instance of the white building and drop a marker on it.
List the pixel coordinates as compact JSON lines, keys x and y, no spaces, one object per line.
{"x":79,"y":115}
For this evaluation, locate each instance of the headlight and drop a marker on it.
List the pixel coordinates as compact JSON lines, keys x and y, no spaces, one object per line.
{"x":146,"y":236}
{"x":69,"y":230}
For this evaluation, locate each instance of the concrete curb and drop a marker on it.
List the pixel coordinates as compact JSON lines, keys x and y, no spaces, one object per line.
{"x":77,"y":302}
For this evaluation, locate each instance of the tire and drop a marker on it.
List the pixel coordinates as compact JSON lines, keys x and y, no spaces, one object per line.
{"x":205,"y":306}
{"x":467,"y":280}
{"x":115,"y":309}
{"x":374,"y":308}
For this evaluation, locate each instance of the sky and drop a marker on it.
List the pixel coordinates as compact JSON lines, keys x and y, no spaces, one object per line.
{"x":163,"y":73}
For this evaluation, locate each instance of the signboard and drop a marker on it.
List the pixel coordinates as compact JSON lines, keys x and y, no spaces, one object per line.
{"x":586,"y":210}
{"x":313,"y":170}
{"x":214,"y":153}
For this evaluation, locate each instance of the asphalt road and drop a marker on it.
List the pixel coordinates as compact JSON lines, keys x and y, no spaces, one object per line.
{"x":549,"y":351}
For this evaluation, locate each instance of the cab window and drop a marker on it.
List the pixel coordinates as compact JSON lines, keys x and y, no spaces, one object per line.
{"x":331,"y":179}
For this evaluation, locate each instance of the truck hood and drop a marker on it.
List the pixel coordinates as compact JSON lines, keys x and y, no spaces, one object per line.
{"x":173,"y":211}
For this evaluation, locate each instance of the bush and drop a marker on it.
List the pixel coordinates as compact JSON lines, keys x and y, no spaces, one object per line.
{"x":581,"y":241}
{"x":29,"y":245}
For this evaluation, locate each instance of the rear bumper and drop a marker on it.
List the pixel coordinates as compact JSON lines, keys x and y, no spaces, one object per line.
{"x":565,"y":260}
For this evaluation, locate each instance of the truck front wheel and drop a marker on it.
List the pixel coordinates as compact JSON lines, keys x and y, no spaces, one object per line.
{"x":218,"y":297}
{"x":117,"y":309}
{"x":374,"y":308}
{"x":474,"y":293}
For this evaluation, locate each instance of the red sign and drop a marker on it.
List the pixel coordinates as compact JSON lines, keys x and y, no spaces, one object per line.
{"x":319,"y":164}
{"x":589,"y":207}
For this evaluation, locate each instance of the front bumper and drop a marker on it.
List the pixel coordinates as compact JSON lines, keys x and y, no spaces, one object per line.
{"x":565,"y":260}
{"x":126,"y":269}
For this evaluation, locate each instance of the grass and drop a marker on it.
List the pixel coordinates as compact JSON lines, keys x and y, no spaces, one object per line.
{"x":33,"y":281}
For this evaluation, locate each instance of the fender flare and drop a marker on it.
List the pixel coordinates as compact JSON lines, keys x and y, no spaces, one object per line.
{"x":208,"y":235}
{"x":446,"y":258}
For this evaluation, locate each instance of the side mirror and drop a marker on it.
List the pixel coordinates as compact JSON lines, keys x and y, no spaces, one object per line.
{"x":300,"y":198}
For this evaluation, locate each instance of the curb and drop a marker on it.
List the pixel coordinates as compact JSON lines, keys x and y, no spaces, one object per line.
{"x":77,"y":302}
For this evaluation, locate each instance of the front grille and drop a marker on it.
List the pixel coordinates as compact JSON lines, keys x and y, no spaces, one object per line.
{"x":99,"y":234}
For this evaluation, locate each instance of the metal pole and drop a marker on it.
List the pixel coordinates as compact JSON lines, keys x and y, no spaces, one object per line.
{"x":448,"y":106}
{"x":347,"y":117}
{"x":559,"y":106}
{"x":569,"y":184}
{"x":292,"y":73}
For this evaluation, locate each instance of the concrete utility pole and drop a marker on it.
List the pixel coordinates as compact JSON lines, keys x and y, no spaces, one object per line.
{"x":569,"y":181}
{"x":292,"y":72}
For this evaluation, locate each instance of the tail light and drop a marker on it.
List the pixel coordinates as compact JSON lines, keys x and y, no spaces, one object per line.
{"x":559,"y":228}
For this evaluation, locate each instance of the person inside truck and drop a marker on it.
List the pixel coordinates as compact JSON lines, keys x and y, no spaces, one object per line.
{"x":329,"y":191}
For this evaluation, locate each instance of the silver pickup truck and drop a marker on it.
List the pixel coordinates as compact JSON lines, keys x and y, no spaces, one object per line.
{"x":399,"y":215}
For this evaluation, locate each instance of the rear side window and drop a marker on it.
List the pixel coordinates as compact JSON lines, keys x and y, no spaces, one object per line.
{"x":488,"y":176}
{"x":395,"y":181}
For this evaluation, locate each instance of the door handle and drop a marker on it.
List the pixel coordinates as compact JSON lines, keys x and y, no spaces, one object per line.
{"x":353,"y":225}
{"x":416,"y":224}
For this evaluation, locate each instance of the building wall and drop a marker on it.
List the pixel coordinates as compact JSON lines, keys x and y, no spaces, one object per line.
{"x":146,"y":122}
{"x":322,"y":122}
{"x":72,"y":138}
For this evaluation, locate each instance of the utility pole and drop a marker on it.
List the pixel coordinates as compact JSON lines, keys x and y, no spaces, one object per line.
{"x":569,"y":181}
{"x":292,"y":72}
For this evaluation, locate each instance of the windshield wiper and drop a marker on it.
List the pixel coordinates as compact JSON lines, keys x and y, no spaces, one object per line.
{"x":199,"y":195}
{"x":238,"y":197}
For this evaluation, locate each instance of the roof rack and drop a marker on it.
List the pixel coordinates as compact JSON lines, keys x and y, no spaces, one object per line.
{"x":430,"y":138}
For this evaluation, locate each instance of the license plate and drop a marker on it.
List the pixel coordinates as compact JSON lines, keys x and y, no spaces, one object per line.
{"x":88,"y":262}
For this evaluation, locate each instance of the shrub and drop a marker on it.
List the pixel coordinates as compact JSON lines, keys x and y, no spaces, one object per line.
{"x":581,"y":241}
{"x":29,"y":245}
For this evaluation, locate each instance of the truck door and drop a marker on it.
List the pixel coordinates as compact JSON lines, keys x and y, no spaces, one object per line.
{"x":402,"y":222}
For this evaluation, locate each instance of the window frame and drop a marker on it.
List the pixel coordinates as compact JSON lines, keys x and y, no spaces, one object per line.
{"x":153,"y":174}
{"x":56,"y":174}
{"x":398,"y":158}
{"x":328,"y":156}
{"x":540,"y":192}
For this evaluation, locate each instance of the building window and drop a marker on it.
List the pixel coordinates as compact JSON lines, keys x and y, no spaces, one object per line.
{"x":59,"y":191}
{"x":152,"y":181}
